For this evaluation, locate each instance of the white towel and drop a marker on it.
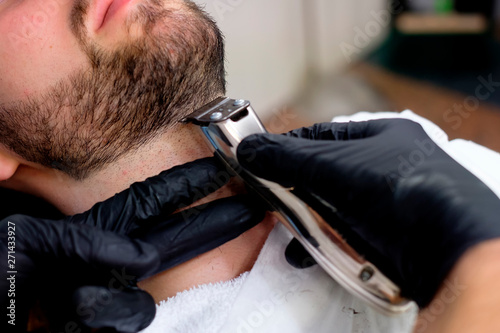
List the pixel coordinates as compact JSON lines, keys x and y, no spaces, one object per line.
{"x":201,"y":309}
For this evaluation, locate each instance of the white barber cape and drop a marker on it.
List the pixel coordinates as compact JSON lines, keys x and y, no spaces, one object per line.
{"x":274,"y":297}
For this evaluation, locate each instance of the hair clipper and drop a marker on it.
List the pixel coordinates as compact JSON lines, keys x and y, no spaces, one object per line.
{"x":225,"y":123}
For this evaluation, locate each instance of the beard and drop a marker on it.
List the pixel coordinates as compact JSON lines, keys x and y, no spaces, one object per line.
{"x":126,"y":98}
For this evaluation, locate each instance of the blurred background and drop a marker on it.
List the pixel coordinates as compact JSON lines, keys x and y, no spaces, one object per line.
{"x":305,"y":61}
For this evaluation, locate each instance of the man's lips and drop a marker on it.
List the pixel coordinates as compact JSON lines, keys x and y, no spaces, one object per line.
{"x":106,"y":9}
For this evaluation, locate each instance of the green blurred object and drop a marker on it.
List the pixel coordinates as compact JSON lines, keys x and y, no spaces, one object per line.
{"x":447,"y":58}
{"x":455,"y":37}
{"x":444,"y":6}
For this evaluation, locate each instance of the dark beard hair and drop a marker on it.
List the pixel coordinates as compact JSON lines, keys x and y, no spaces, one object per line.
{"x":126,"y":98}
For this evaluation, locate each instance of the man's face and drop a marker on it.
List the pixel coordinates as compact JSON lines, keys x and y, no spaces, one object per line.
{"x":84,"y":81}
{"x":39,"y":45}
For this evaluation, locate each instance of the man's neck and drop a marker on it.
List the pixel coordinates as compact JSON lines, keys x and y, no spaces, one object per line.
{"x":180,"y":145}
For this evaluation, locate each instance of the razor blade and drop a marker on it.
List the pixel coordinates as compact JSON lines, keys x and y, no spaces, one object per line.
{"x":225,"y":123}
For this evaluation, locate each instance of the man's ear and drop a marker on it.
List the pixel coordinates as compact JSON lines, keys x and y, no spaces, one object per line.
{"x":8,"y":165}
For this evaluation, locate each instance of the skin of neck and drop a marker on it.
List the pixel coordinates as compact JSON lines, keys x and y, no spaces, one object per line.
{"x":179,"y":145}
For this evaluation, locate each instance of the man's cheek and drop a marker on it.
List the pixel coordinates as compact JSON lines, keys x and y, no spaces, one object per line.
{"x":33,"y":26}
{"x":52,"y":7}
{"x":23,"y":54}
{"x":28,"y":31}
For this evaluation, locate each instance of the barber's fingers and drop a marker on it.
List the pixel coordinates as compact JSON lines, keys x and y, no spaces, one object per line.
{"x":289,"y":161}
{"x":59,"y":245}
{"x":162,"y":194}
{"x":331,"y":131}
{"x":330,"y":157}
{"x":302,"y":155}
{"x":192,"y":232}
{"x":346,"y":131}
{"x":127,"y":310}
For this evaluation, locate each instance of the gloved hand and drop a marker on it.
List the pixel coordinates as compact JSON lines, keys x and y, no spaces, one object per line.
{"x":85,"y":266}
{"x":389,"y":189}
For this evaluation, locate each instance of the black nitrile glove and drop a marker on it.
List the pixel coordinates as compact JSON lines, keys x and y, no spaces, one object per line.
{"x":84,"y":268}
{"x":393,"y":193}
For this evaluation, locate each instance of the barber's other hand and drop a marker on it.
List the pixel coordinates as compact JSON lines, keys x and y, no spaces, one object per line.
{"x":42,"y":258}
{"x":410,"y":208}
{"x":86,"y":266}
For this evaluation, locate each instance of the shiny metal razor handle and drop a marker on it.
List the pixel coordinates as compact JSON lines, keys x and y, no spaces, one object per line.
{"x":225,"y":123}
